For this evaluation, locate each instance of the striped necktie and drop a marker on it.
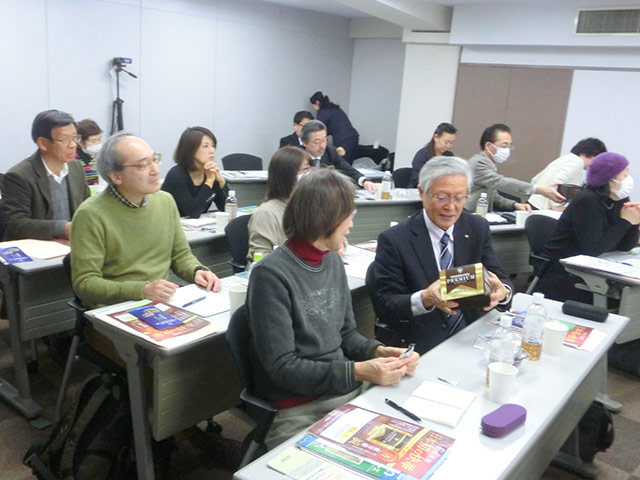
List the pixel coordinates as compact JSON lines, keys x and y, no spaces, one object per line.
{"x":456,"y":321}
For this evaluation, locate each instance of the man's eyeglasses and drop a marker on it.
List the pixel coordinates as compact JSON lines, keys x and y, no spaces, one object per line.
{"x":510,"y":147}
{"x":444,"y":199}
{"x":68,"y":141}
{"x":318,"y":141}
{"x":144,"y":165}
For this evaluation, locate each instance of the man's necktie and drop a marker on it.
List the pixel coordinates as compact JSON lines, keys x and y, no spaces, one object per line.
{"x":456,"y":321}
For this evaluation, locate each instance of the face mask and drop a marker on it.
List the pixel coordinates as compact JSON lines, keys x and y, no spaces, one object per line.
{"x":93,"y":149}
{"x":501,"y":155}
{"x":625,"y":187}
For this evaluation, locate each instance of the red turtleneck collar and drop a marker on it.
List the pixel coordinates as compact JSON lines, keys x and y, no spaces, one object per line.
{"x":306,"y":251}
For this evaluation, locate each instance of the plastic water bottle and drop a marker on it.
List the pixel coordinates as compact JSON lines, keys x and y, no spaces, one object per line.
{"x":534,"y":320}
{"x":231,"y":204}
{"x":386,"y":186}
{"x":483,"y":205}
{"x":503,"y":345}
{"x":257,"y":256}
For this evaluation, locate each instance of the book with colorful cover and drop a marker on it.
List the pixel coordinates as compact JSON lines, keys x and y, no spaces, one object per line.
{"x":155,"y":317}
{"x":190,"y":322}
{"x":14,"y":255}
{"x":400,"y":445}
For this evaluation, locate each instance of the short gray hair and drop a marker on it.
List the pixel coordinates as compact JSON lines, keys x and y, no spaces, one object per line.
{"x":109,"y":159}
{"x":310,"y":127}
{"x":441,"y":167}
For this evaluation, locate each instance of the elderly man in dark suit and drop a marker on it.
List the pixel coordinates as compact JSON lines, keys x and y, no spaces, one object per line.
{"x":41,"y":193}
{"x":314,"y":139}
{"x":403,"y":280}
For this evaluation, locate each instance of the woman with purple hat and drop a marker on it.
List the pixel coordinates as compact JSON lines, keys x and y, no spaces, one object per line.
{"x":599,"y":219}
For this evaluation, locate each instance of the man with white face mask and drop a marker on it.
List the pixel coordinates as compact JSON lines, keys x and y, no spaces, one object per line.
{"x":496,"y":147}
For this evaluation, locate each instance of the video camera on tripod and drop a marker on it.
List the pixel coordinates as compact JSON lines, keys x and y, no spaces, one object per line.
{"x":119,"y":64}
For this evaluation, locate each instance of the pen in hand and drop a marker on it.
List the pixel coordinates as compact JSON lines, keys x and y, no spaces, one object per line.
{"x":188,"y":304}
{"x":394,"y":405}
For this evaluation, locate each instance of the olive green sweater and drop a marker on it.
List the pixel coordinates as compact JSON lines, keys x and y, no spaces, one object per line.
{"x":116,"y":249}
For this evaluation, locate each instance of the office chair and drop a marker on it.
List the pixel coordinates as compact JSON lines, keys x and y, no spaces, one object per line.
{"x":237,"y":235}
{"x":241,"y":161}
{"x":261,"y":411}
{"x":79,"y":347}
{"x":539,"y":229}
{"x":401,"y":177}
{"x":376,"y":154}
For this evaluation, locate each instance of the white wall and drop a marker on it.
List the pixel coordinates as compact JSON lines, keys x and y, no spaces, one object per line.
{"x":376,"y":82}
{"x":428,"y":92}
{"x":605,"y":104}
{"x":239,"y":67}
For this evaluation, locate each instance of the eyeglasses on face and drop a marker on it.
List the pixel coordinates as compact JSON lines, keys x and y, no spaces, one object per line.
{"x":444,"y":199}
{"x":68,"y":141}
{"x":144,"y":164}
{"x":504,"y":145}
{"x":319,"y":141}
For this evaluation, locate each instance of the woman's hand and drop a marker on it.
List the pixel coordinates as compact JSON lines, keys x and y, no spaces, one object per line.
{"x":212,"y":174}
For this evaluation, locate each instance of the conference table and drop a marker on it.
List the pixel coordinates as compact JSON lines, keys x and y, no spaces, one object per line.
{"x":191,"y":383}
{"x":556,"y":391}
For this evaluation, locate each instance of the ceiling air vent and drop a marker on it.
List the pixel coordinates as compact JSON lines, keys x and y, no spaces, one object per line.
{"x":624,"y":20}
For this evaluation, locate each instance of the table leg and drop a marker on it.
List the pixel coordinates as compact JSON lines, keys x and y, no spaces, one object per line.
{"x":603,"y":397}
{"x":569,"y":458}
{"x":19,"y":398}
{"x":141,"y":427}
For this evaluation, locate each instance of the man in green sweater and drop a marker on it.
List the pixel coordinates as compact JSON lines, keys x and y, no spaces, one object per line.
{"x":125,"y":240}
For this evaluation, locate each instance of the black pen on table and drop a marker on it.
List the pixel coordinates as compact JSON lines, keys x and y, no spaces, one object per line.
{"x":188,"y":304}
{"x":393,"y":404}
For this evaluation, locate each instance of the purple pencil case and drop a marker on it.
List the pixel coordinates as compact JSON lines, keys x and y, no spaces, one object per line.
{"x":503,"y":420}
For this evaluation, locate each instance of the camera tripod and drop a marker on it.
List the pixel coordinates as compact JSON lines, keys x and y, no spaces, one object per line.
{"x":117,"y":121}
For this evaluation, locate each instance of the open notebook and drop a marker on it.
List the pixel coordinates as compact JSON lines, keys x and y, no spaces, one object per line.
{"x":439,"y":402}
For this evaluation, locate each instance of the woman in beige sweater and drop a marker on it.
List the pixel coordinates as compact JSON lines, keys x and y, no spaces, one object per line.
{"x":265,"y":227}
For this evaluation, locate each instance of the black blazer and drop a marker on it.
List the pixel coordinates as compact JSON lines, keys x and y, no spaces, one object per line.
{"x":405,"y":263}
{"x":331,"y":158}
{"x":290,"y":141}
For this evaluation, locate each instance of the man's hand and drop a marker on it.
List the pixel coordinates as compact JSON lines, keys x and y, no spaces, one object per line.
{"x":369,"y":186}
{"x":160,"y":290}
{"x":551,"y":192}
{"x":67,"y":230}
{"x":384,"y":351}
{"x":499,"y":291}
{"x":340,"y":151}
{"x":207,"y":280}
{"x":382,"y":370}
{"x":522,"y":206}
{"x":431,"y":297}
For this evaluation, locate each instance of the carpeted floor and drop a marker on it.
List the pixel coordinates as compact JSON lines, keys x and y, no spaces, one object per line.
{"x":193,"y":459}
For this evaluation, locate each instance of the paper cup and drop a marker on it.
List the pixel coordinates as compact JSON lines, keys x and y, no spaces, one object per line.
{"x":237,"y":296}
{"x":554,"y":333}
{"x":521,"y":218}
{"x":502,"y":376}
{"x":378,"y":194}
{"x":222,"y":220}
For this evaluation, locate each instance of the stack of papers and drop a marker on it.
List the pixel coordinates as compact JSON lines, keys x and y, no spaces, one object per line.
{"x":630,"y":267}
{"x":357,"y":261}
{"x":439,"y":402}
{"x":197,"y":300}
{"x":42,"y":249}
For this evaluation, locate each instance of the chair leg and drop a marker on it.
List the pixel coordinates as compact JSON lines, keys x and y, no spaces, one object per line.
{"x":66,"y":376}
{"x":532,"y":285}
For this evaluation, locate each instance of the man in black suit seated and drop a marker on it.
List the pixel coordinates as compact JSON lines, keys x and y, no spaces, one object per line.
{"x":299,"y":119}
{"x":314,"y":139}
{"x":403,"y":280}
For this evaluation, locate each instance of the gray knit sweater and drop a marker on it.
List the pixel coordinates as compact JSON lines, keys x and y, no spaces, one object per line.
{"x":303,"y":328}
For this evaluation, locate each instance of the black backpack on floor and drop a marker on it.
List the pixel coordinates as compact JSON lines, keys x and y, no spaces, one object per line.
{"x":596,"y":431}
{"x":93,"y":440}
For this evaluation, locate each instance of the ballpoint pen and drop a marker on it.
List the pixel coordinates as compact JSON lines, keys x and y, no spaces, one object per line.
{"x":393,"y":404}
{"x":188,"y":304}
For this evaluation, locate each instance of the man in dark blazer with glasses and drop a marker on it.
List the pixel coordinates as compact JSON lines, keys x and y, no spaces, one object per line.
{"x":403,"y":280}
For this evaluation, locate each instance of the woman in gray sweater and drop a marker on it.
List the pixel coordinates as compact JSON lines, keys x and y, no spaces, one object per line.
{"x":310,"y":359}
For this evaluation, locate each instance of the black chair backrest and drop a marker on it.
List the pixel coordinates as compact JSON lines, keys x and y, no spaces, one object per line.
{"x":241,"y":161}
{"x":239,"y":337}
{"x":401,"y":177}
{"x":237,"y":235}
{"x":539,"y":229}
